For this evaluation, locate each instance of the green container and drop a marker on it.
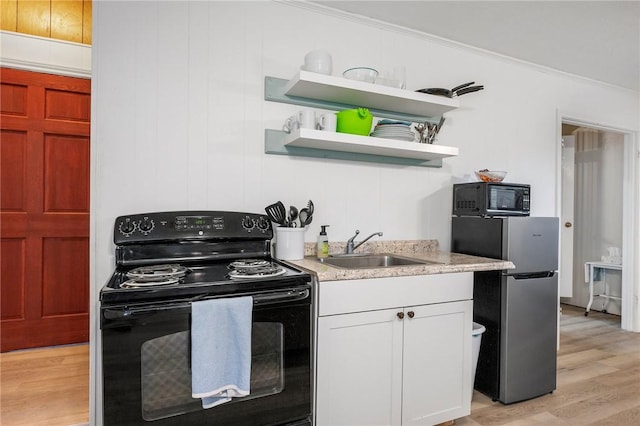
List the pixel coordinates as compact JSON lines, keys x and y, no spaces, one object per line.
{"x":355,"y":121}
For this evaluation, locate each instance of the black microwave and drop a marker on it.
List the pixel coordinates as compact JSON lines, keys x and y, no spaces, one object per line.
{"x":491,"y":199}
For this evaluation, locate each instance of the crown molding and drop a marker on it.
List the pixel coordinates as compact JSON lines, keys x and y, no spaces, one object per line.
{"x":45,"y":55}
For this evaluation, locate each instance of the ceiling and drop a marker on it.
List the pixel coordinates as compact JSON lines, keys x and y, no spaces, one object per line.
{"x":599,"y":40}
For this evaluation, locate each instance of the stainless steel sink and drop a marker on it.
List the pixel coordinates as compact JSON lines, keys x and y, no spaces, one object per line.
{"x":382,"y":260}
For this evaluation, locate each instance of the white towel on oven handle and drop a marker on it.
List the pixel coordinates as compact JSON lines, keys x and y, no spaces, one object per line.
{"x":221,"y":349}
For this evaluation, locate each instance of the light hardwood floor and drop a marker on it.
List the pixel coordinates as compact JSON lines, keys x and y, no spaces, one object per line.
{"x":48,"y":386}
{"x":598,"y":382}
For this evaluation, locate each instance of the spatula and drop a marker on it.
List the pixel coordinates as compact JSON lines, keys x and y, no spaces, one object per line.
{"x":277,"y":213}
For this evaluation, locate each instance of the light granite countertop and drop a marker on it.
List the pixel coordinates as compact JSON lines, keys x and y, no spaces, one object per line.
{"x":444,"y":262}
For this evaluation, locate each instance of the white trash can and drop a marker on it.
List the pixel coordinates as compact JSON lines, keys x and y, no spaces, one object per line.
{"x":476,"y":339}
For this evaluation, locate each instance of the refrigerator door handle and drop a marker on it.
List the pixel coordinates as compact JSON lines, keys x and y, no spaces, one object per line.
{"x":545,"y":274}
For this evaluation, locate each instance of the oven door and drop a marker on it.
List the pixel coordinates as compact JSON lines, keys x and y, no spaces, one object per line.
{"x":146,"y":364}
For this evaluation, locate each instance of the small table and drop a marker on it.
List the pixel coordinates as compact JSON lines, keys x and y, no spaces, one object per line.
{"x":590,"y":268}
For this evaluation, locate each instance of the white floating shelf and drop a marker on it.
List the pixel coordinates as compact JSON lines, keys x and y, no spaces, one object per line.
{"x":344,"y":142}
{"x":341,"y":90}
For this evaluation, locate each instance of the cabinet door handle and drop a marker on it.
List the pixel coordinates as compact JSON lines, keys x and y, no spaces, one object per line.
{"x":411,"y":314}
{"x":400,"y":315}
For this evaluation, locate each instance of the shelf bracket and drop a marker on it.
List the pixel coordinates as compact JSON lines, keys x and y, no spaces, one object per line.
{"x":274,"y":91}
{"x":274,"y":144}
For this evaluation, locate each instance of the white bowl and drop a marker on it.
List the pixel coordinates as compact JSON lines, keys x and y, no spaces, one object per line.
{"x":318,"y":67}
{"x":318,"y":61}
{"x":365,"y":74}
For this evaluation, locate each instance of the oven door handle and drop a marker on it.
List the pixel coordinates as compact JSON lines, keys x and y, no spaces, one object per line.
{"x":281,"y":296}
{"x":261,"y":299}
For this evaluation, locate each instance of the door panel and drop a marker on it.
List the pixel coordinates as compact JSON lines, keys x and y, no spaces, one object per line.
{"x":13,"y":154}
{"x":59,"y":270}
{"x":359,"y":369}
{"x":529,"y":338}
{"x":14,"y":99}
{"x":13,"y":250}
{"x":44,"y":209}
{"x":63,"y":105}
{"x":532,"y":243}
{"x":66,"y":168}
{"x":437,"y":367}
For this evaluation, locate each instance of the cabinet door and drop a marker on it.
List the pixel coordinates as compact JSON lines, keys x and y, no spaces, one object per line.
{"x":437,"y":363}
{"x":359,"y":369}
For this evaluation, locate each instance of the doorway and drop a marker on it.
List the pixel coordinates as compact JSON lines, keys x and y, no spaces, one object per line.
{"x":591,"y":214}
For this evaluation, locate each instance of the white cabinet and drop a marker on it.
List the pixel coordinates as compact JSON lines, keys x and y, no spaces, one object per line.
{"x":399,"y":365}
{"x":359,"y":369}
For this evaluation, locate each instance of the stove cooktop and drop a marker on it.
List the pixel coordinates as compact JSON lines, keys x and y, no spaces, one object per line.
{"x":215,"y":278}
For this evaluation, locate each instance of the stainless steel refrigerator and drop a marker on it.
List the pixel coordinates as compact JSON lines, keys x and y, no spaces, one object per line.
{"x":518,"y":307}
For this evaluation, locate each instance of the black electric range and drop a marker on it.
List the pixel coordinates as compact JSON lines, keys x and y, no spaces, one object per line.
{"x":165,"y":263}
{"x":216,"y":253}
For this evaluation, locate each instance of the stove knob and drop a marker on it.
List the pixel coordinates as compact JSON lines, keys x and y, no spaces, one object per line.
{"x":127,"y":227}
{"x":146,"y":225}
{"x":248,"y":223}
{"x":263,"y":224}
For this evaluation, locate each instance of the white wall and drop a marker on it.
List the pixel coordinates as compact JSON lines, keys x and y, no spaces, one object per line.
{"x":179,"y":118}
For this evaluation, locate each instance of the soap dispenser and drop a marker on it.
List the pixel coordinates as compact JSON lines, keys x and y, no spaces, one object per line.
{"x":323,"y":243}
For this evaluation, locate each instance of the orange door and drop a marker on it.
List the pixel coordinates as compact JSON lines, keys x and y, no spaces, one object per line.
{"x":44,"y":209}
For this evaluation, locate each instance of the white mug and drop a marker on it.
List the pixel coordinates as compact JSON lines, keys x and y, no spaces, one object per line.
{"x":291,"y":124}
{"x":327,"y":122}
{"x":307,"y":119}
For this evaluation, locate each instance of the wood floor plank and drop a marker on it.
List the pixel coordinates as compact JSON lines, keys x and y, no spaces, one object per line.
{"x":583,"y":357}
{"x":582,"y":373}
{"x":544,"y":418}
{"x":627,"y":417}
{"x":606,"y":403}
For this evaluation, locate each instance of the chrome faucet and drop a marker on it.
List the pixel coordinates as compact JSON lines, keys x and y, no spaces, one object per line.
{"x":351,"y":246}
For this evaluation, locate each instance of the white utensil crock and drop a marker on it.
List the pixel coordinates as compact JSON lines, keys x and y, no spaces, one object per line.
{"x":290,"y":243}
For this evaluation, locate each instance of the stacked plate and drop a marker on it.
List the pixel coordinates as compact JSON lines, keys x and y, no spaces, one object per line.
{"x":393,"y":129}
